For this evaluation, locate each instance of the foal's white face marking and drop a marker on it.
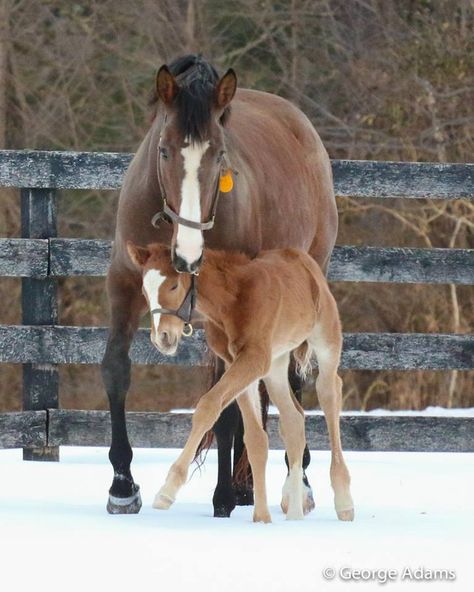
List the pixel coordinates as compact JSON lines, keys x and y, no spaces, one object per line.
{"x":152,"y":281}
{"x":189,"y":241}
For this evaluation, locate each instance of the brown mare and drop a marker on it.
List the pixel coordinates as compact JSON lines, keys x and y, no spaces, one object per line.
{"x":254,"y":336}
{"x":282,"y":197}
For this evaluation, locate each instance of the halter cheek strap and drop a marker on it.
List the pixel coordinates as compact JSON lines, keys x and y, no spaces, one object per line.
{"x":186,"y":308}
{"x":168,"y":215}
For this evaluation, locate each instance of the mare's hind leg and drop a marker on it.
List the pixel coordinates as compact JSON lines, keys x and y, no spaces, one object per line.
{"x":126,"y":303}
{"x":256,"y":442}
{"x":292,"y":432}
{"x":296,"y":385}
{"x":329,"y":390}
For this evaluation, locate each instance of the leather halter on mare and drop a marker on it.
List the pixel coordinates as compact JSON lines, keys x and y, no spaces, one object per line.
{"x":169,"y":215}
{"x":185,"y":310}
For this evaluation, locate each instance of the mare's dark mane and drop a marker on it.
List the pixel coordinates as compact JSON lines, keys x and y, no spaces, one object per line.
{"x":196,"y":79}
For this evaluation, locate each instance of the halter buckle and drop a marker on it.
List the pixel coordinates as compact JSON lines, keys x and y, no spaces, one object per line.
{"x":187,"y":330}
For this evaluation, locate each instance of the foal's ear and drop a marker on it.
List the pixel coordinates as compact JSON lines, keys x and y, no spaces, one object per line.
{"x":225,"y":89}
{"x":166,"y":85}
{"x":139,"y":255}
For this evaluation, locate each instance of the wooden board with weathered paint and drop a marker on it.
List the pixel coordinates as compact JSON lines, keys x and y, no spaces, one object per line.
{"x":23,"y":428}
{"x":363,"y":351}
{"x":21,"y":257}
{"x":359,"y":432}
{"x":71,"y":257}
{"x":355,"y":178}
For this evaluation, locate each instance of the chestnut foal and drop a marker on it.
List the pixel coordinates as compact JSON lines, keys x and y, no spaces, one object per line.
{"x":254,"y":337}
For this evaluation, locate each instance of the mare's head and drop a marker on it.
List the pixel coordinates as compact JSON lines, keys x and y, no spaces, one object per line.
{"x":191,"y":152}
{"x":163,"y":288}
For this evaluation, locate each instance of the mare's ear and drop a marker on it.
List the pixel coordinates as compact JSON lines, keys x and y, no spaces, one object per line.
{"x":225,"y":89}
{"x":166,"y":85}
{"x":139,"y":255}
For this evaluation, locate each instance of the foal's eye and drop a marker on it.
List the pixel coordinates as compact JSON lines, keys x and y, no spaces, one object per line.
{"x":174,"y":287}
{"x":164,"y":153}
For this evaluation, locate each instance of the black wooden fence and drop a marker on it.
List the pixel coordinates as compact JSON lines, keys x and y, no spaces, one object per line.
{"x":40,"y":344}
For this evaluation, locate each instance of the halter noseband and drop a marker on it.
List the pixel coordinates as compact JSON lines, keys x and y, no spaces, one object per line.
{"x":185,"y":310}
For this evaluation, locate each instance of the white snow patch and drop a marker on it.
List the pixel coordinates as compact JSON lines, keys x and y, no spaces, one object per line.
{"x":412,"y":509}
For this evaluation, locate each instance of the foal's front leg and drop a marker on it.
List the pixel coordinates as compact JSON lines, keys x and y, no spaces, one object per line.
{"x":247,"y":368}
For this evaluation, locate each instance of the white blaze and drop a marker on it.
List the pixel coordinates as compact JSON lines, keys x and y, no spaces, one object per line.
{"x":189,"y":241}
{"x":152,"y":281}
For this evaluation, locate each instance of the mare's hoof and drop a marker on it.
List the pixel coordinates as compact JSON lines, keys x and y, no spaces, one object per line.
{"x":223,"y":502}
{"x":222,"y":511}
{"x":243,"y":495}
{"x":125,"y":505}
{"x":346,"y":515}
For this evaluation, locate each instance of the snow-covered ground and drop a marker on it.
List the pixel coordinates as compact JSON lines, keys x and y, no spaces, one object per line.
{"x":413,"y":510}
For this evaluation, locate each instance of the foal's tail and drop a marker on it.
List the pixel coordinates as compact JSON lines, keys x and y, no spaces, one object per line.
{"x":303,"y":355}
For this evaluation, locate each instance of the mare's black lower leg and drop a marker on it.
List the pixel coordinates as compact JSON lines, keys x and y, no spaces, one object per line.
{"x":224,"y":430}
{"x":243,"y":483}
{"x":124,"y":494}
{"x":296,"y":384}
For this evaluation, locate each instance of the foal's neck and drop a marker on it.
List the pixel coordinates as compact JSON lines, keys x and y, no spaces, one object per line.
{"x":217,"y":284}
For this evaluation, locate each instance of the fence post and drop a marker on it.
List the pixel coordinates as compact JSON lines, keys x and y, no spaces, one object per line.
{"x":39,"y":307}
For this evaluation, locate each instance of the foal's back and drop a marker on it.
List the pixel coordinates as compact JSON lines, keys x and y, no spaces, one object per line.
{"x":294,"y":288}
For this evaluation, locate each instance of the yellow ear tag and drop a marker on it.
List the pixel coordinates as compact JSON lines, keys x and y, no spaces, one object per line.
{"x":226,"y":183}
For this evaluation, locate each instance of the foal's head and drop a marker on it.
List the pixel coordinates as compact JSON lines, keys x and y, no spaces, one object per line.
{"x":163,"y":288}
{"x":191,"y":153}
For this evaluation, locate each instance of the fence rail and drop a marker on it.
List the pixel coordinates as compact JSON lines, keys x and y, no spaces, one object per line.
{"x":40,"y":258}
{"x":60,"y":257}
{"x":354,"y":178}
{"x":60,"y":427}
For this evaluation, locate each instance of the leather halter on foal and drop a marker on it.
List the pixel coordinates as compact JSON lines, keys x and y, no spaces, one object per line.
{"x":185,"y":310}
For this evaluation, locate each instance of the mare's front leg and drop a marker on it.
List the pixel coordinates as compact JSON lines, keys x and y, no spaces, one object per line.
{"x":224,"y":429}
{"x":251,"y":364}
{"x":126,"y":303}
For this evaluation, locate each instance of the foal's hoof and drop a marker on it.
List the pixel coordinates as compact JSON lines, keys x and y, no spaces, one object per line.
{"x":163,"y":501}
{"x":125,"y":505}
{"x":243,"y":495}
{"x":262,"y":517}
{"x":345,"y":515}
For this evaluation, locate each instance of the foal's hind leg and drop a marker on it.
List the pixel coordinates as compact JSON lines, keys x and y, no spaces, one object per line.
{"x":329,"y":389}
{"x":296,"y":385}
{"x":126,"y":303}
{"x":256,"y":442}
{"x":294,"y":502}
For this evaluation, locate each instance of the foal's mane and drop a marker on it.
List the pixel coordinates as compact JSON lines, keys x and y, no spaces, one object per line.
{"x":196,"y":79}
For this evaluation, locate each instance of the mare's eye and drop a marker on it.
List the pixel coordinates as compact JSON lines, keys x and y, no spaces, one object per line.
{"x":174,"y":287}
{"x":164,"y":153}
{"x":220,"y":157}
